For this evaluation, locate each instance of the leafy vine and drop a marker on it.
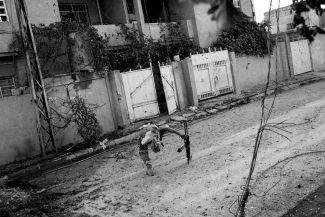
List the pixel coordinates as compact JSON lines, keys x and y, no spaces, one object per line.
{"x":53,"y":44}
{"x":245,"y":37}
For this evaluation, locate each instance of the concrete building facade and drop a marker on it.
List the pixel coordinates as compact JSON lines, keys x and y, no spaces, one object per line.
{"x":147,"y":16}
{"x":19,"y":114}
{"x":286,"y":19}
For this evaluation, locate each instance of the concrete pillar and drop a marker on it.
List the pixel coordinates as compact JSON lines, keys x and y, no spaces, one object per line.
{"x":187,"y":69}
{"x":283,"y":62}
{"x":139,"y":14}
{"x":111,"y":98}
{"x":118,"y":98}
{"x":234,"y":73}
{"x":126,"y":11}
{"x":289,"y":54}
{"x":318,"y":53}
{"x":80,"y":52}
{"x":99,"y":12}
{"x":180,"y":85}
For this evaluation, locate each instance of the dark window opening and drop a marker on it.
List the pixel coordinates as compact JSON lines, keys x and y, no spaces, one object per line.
{"x":74,"y":13}
{"x":3,"y":12}
{"x":155,"y":11}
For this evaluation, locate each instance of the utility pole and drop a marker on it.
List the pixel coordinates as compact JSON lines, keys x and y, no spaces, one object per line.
{"x":44,"y":125}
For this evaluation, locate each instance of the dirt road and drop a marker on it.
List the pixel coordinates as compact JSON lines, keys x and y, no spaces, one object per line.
{"x":286,"y":171}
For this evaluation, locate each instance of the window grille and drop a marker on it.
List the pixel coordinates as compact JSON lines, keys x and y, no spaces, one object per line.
{"x":236,"y":3}
{"x":202,"y":66}
{"x":6,"y":84}
{"x":74,"y":12}
{"x":3,"y":12}
{"x":219,"y":63}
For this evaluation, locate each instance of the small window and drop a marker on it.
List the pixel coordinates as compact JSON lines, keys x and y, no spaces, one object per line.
{"x":236,"y":3}
{"x":6,"y":85}
{"x":3,"y":12}
{"x":74,"y":12}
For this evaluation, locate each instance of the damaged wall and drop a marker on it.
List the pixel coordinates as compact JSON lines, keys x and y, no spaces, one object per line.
{"x":114,"y":12}
{"x":43,"y":11}
{"x":18,"y":132}
{"x":251,"y":72}
{"x":207,"y":29}
{"x":90,"y":87}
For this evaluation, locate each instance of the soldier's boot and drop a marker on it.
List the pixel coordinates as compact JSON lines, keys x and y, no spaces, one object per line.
{"x":150,"y":171}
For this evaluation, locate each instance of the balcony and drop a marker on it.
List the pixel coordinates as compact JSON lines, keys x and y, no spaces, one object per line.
{"x":151,"y":30}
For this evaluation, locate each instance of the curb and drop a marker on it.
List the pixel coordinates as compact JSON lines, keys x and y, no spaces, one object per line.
{"x":39,"y":168}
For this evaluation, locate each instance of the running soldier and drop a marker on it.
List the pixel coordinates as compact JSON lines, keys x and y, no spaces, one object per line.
{"x":151,"y":135}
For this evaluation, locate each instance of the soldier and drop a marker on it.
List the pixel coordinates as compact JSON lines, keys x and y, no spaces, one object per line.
{"x":151,"y":135}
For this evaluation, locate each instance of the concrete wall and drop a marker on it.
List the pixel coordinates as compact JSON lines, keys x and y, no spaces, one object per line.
{"x":112,"y":31}
{"x":114,"y":12}
{"x":91,"y":6}
{"x":180,"y":10}
{"x":118,"y":98}
{"x":181,"y":90}
{"x":317,"y":49}
{"x":322,"y":21}
{"x":251,"y":71}
{"x":190,"y":90}
{"x":43,"y":11}
{"x":183,"y":12}
{"x":207,"y":30}
{"x":90,"y":87}
{"x":81,"y":53}
{"x":18,"y":132}
{"x":246,"y":7}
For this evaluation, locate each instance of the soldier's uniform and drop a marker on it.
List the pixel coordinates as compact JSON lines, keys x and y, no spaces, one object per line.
{"x":150,"y":136}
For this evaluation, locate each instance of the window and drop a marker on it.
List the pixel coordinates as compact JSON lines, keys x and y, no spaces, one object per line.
{"x":6,"y":84}
{"x":236,"y":3}
{"x":74,"y":12}
{"x":3,"y":12}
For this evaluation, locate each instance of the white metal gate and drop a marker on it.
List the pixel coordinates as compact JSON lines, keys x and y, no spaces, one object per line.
{"x":140,"y":94}
{"x":301,"y":58}
{"x":168,"y":81}
{"x":212,"y":74}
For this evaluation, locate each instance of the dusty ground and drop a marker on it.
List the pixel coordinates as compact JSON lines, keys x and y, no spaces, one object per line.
{"x":286,"y":171}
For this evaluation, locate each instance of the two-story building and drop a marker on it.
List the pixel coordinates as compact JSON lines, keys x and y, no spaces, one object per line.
{"x":145,"y":15}
{"x":286,"y":15}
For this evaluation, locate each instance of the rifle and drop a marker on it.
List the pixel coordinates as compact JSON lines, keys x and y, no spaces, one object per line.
{"x":187,"y":144}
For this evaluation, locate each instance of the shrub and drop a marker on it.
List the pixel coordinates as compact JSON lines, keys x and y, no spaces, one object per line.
{"x":245,"y":37}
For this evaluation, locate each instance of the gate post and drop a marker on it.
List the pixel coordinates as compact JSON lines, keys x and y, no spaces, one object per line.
{"x":114,"y":79}
{"x":289,"y":54}
{"x":187,"y":70}
{"x":234,"y":73}
{"x":180,"y":85}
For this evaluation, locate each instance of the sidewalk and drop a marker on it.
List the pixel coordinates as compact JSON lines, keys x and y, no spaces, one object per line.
{"x":194,"y":114}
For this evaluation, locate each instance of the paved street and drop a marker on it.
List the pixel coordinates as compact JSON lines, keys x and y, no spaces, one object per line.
{"x":222,"y":147}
